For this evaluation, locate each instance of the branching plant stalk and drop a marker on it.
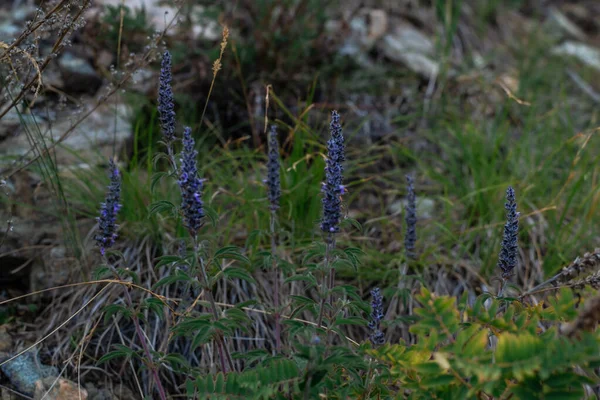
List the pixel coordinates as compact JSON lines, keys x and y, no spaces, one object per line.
{"x":220,"y":343}
{"x":142,"y":338}
{"x":276,"y":280}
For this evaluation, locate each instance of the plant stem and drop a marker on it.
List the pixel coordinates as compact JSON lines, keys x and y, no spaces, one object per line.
{"x":330,"y":243}
{"x":142,"y":338}
{"x":554,"y":278}
{"x":276,"y":279}
{"x":171,"y":156}
{"x":502,"y":287}
{"x":223,"y":351}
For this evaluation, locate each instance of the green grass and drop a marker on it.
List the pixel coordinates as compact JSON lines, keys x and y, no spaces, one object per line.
{"x":464,"y":150}
{"x":546,"y":150}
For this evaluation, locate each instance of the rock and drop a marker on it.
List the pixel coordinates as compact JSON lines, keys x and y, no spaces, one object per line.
{"x":91,"y":140}
{"x":203,"y":27}
{"x":53,"y":269}
{"x":366,"y":28}
{"x":50,"y":388}
{"x":156,"y":13}
{"x":12,"y":18}
{"x":425,"y":207}
{"x":412,"y":48}
{"x":24,"y":371}
{"x":142,"y":81}
{"x":78,"y":74}
{"x":6,"y":340}
{"x":559,"y":23}
{"x":117,"y":392}
{"x":589,"y":55}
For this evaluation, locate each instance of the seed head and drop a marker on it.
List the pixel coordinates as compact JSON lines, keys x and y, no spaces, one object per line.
{"x":190,"y":185}
{"x":273,"y":180}
{"x":166,"y":104}
{"x":507,"y":260}
{"x":107,"y":227}
{"x":332,"y":188}
{"x":411,"y":219}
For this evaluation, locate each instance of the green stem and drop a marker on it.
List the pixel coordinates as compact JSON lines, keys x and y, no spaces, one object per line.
{"x":276,"y":278}
{"x":328,"y":277}
{"x":220,"y":342}
{"x":138,"y":330}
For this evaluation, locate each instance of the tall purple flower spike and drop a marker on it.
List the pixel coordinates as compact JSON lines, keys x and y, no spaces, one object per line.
{"x":507,"y":260}
{"x":166,"y":104}
{"x":333,"y":188}
{"x":411,"y":219}
{"x":190,"y":185}
{"x":376,"y":335}
{"x":107,"y":221}
{"x":273,"y":180}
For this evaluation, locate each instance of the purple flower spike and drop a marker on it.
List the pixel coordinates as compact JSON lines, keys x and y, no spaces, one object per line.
{"x":166,"y":104}
{"x":107,"y":226}
{"x":273,"y":180}
{"x":507,"y":260}
{"x":411,"y":219}
{"x":333,"y":188}
{"x":376,"y":335}
{"x":190,"y":185}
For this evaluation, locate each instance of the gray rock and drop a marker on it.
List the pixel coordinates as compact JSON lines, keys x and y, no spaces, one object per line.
{"x":78,"y":74}
{"x":24,"y":371}
{"x":412,"y":48}
{"x":560,"y":25}
{"x":425,"y":207}
{"x":588,"y":55}
{"x":92,"y":140}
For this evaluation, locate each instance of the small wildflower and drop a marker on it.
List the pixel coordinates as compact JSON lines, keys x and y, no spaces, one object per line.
{"x":190,"y":185}
{"x":333,"y":188}
{"x":273,"y":179}
{"x":376,"y":336}
{"x":507,"y":260}
{"x":165,"y":100}
{"x":107,"y":226}
{"x":411,"y":219}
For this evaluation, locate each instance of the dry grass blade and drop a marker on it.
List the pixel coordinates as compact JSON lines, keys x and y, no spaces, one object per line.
{"x":57,"y":328}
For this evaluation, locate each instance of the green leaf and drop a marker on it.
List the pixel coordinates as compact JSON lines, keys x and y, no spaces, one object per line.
{"x":175,"y":359}
{"x":121,"y":351}
{"x":102,"y":272}
{"x":170,"y":279}
{"x":435,"y":381}
{"x":310,"y":278}
{"x":156,"y":178}
{"x":239,"y":273}
{"x":114,"y":309}
{"x":165,"y":260}
{"x":230,"y":253}
{"x":162,"y":206}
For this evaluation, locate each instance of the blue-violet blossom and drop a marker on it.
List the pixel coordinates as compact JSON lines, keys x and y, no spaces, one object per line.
{"x":507,"y":260}
{"x":190,"y":185}
{"x":107,"y":221}
{"x":273,"y":180}
{"x":165,"y":100}
{"x":411,"y":219}
{"x":376,"y":335}
{"x":332,"y":188}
